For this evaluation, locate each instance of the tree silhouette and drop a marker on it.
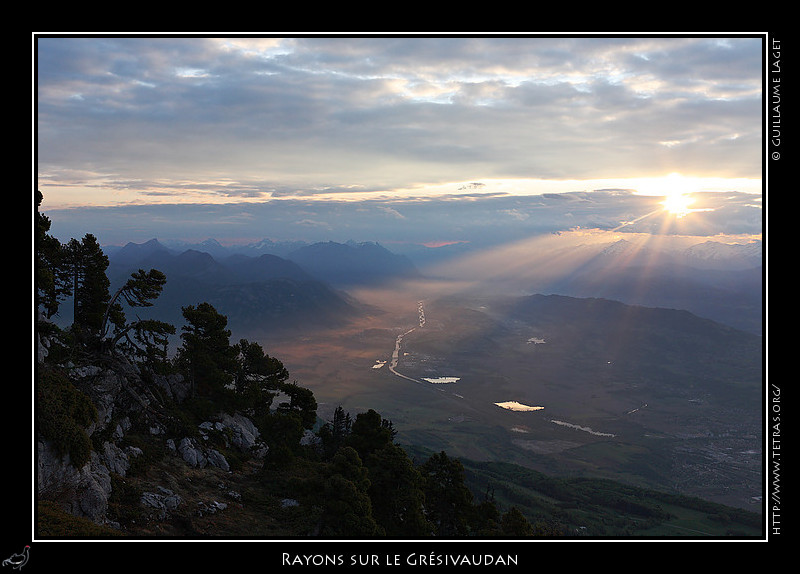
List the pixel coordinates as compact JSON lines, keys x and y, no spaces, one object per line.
{"x":396,"y":492}
{"x":448,"y":501}
{"x":514,"y":524}
{"x":145,"y":338}
{"x":369,"y":432}
{"x":333,"y":435}
{"x":347,"y":508}
{"x":206,"y":356}
{"x":86,"y":266}
{"x":301,"y":402}
{"x":258,"y":377}
{"x":52,"y":286}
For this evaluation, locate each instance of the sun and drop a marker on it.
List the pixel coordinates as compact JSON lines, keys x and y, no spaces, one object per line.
{"x":677,"y":203}
{"x":676,"y":191}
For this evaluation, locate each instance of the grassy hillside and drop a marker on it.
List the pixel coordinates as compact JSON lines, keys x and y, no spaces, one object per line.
{"x":591,"y":507}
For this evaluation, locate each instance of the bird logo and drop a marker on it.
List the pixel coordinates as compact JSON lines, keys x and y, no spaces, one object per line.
{"x":17,"y":561}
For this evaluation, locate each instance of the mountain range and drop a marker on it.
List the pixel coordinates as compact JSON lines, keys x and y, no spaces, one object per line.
{"x":719,"y":281}
{"x":339,"y":264}
{"x":713,"y":280}
{"x":261,"y":292}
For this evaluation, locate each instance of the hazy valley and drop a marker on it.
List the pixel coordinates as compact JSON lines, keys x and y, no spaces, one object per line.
{"x":622,"y":382}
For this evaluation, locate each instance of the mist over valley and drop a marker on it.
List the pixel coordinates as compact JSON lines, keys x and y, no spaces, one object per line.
{"x":570,"y":354}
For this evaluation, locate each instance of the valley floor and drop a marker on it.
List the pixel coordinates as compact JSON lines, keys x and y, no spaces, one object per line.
{"x":588,"y":417}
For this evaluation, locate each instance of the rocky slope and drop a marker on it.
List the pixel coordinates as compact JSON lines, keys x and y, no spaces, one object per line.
{"x":148,"y":472}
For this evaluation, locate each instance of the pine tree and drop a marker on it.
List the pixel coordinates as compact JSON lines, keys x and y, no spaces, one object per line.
{"x":258,"y":377}
{"x":146,"y":339}
{"x":347,"y":508}
{"x":370,"y":432}
{"x":52,"y":286}
{"x":396,"y":492}
{"x":301,"y":403}
{"x":448,"y":501}
{"x":515,"y":525}
{"x":333,"y":435}
{"x":206,"y":355}
{"x":86,"y":265}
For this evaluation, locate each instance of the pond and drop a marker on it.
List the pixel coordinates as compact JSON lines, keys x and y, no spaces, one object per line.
{"x":516,"y":406}
{"x":442,"y":380}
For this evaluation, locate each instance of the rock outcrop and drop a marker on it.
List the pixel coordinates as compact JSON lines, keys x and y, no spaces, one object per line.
{"x":81,"y":491}
{"x":127,"y":402}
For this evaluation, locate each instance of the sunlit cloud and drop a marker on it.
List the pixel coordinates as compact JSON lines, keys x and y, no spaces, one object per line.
{"x":134,"y":121}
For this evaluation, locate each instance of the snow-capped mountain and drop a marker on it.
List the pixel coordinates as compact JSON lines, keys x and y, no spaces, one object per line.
{"x":713,"y":254}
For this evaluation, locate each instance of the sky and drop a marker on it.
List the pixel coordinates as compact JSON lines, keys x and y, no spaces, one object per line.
{"x":427,"y":139}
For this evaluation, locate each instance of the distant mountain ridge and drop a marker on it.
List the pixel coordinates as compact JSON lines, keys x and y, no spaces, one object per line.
{"x":349,"y":264}
{"x":257,"y":294}
{"x":203,"y":266}
{"x":253,"y":249}
{"x":714,"y":253}
{"x":714,"y":280}
{"x":339,"y":264}
{"x":719,"y":281}
{"x":706,"y":255}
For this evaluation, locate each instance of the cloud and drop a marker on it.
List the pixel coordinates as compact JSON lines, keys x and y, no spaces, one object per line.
{"x":218,"y":119}
{"x":479,"y":220}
